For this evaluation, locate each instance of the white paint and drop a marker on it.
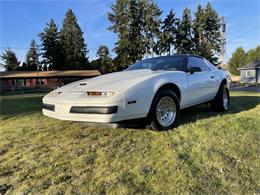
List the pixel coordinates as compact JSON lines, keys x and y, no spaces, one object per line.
{"x":139,"y":85}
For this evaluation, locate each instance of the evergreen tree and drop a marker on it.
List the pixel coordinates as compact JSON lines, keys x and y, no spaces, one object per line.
{"x":102,"y":52}
{"x":184,"y":42}
{"x":32,"y":57}
{"x":119,"y":18}
{"x":135,"y":38}
{"x":23,"y":67}
{"x":253,"y":54}
{"x":137,"y":25}
{"x":150,"y":14}
{"x":167,"y":37}
{"x":201,"y":46}
{"x":104,"y":61}
{"x":211,"y":34}
{"x":72,"y":43}
{"x":212,"y":27}
{"x":198,"y":31}
{"x":10,"y":61}
{"x":51,"y":51}
{"x":237,"y":60}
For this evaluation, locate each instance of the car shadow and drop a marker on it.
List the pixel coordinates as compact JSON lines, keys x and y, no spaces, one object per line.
{"x":191,"y":115}
{"x":237,"y":104}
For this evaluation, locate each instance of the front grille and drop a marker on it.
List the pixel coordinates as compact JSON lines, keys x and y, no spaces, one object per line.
{"x":48,"y":107}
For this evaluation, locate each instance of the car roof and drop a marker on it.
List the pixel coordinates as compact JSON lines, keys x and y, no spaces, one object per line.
{"x":184,"y":55}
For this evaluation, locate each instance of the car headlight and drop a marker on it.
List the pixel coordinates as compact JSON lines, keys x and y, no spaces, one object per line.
{"x":101,"y":93}
{"x":54,"y":94}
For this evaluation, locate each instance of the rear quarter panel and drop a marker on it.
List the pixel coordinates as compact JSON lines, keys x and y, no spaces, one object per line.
{"x":221,"y":75}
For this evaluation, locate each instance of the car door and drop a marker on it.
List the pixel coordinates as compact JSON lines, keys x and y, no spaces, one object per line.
{"x":199,"y":83}
{"x":215,"y":82}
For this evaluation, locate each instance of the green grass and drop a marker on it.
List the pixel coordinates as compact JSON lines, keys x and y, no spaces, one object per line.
{"x":209,"y":153}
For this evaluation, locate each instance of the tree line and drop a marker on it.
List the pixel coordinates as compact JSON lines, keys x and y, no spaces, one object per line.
{"x":62,"y":49}
{"x":140,"y":30}
{"x":240,"y":58}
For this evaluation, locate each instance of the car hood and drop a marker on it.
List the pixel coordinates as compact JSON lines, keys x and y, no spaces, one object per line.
{"x":112,"y":82}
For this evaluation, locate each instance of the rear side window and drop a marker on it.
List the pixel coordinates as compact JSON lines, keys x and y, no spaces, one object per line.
{"x":211,"y":66}
{"x":198,"y":62}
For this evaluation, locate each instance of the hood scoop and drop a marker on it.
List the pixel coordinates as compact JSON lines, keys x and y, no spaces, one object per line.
{"x":82,"y":84}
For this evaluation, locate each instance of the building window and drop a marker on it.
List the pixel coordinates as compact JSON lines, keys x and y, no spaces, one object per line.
{"x":19,"y":83}
{"x":14,"y":82}
{"x":250,"y":73}
{"x":39,"y":81}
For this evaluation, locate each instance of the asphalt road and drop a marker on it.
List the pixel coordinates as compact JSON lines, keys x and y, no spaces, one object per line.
{"x":255,"y":88}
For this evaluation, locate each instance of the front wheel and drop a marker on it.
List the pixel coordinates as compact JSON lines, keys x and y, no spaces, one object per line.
{"x":222,"y":99}
{"x":164,"y":111}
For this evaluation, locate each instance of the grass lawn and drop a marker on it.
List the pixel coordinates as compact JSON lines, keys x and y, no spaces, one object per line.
{"x":209,"y":153}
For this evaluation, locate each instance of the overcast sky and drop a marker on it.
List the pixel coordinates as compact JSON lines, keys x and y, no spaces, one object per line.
{"x":22,"y":20}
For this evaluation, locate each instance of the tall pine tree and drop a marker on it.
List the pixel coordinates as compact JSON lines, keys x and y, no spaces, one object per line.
{"x":135,"y":37}
{"x":72,"y":43}
{"x":119,"y":18}
{"x":167,"y":37}
{"x":32,"y":58}
{"x":184,"y":42}
{"x":51,"y":50}
{"x":212,"y":39}
{"x":137,"y":25}
{"x":201,"y":46}
{"x":198,"y":30}
{"x":10,"y":61}
{"x":150,"y":14}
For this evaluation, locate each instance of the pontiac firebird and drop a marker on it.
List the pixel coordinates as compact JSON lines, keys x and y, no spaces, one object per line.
{"x":154,"y":89}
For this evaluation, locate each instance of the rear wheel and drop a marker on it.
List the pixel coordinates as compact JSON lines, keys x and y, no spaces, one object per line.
{"x":164,"y":111}
{"x":222,"y":99}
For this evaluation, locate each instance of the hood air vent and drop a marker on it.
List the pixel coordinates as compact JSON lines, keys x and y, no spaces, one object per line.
{"x":82,"y":84}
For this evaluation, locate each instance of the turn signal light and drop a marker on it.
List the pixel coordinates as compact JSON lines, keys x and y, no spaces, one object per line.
{"x":101,"y":93}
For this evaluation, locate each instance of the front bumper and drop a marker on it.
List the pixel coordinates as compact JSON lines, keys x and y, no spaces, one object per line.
{"x":72,"y":112}
{"x":85,"y":109}
{"x":49,"y":107}
{"x":76,"y":107}
{"x":94,"y":110}
{"x":62,"y":113}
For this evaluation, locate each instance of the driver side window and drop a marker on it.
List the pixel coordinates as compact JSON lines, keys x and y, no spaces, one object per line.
{"x":198,"y":62}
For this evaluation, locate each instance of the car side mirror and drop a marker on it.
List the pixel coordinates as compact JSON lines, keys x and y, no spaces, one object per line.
{"x":191,"y":70}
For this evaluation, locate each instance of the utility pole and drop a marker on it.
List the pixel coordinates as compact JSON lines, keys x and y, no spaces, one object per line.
{"x":223,"y":41}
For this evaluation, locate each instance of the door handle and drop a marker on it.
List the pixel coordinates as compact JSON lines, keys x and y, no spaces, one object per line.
{"x":212,"y":77}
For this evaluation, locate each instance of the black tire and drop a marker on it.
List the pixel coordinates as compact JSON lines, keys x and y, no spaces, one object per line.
{"x":218,"y":103}
{"x":153,"y":121}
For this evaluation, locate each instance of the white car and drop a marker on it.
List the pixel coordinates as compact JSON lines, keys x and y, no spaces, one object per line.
{"x":154,"y":89}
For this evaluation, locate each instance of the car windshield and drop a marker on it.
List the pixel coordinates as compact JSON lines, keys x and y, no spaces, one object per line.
{"x":170,"y":63}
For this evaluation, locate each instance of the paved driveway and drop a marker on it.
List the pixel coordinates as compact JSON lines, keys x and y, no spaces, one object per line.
{"x":245,"y":88}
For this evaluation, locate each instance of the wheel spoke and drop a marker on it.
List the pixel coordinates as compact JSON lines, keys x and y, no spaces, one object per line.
{"x":166,"y":111}
{"x":225,"y":99}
